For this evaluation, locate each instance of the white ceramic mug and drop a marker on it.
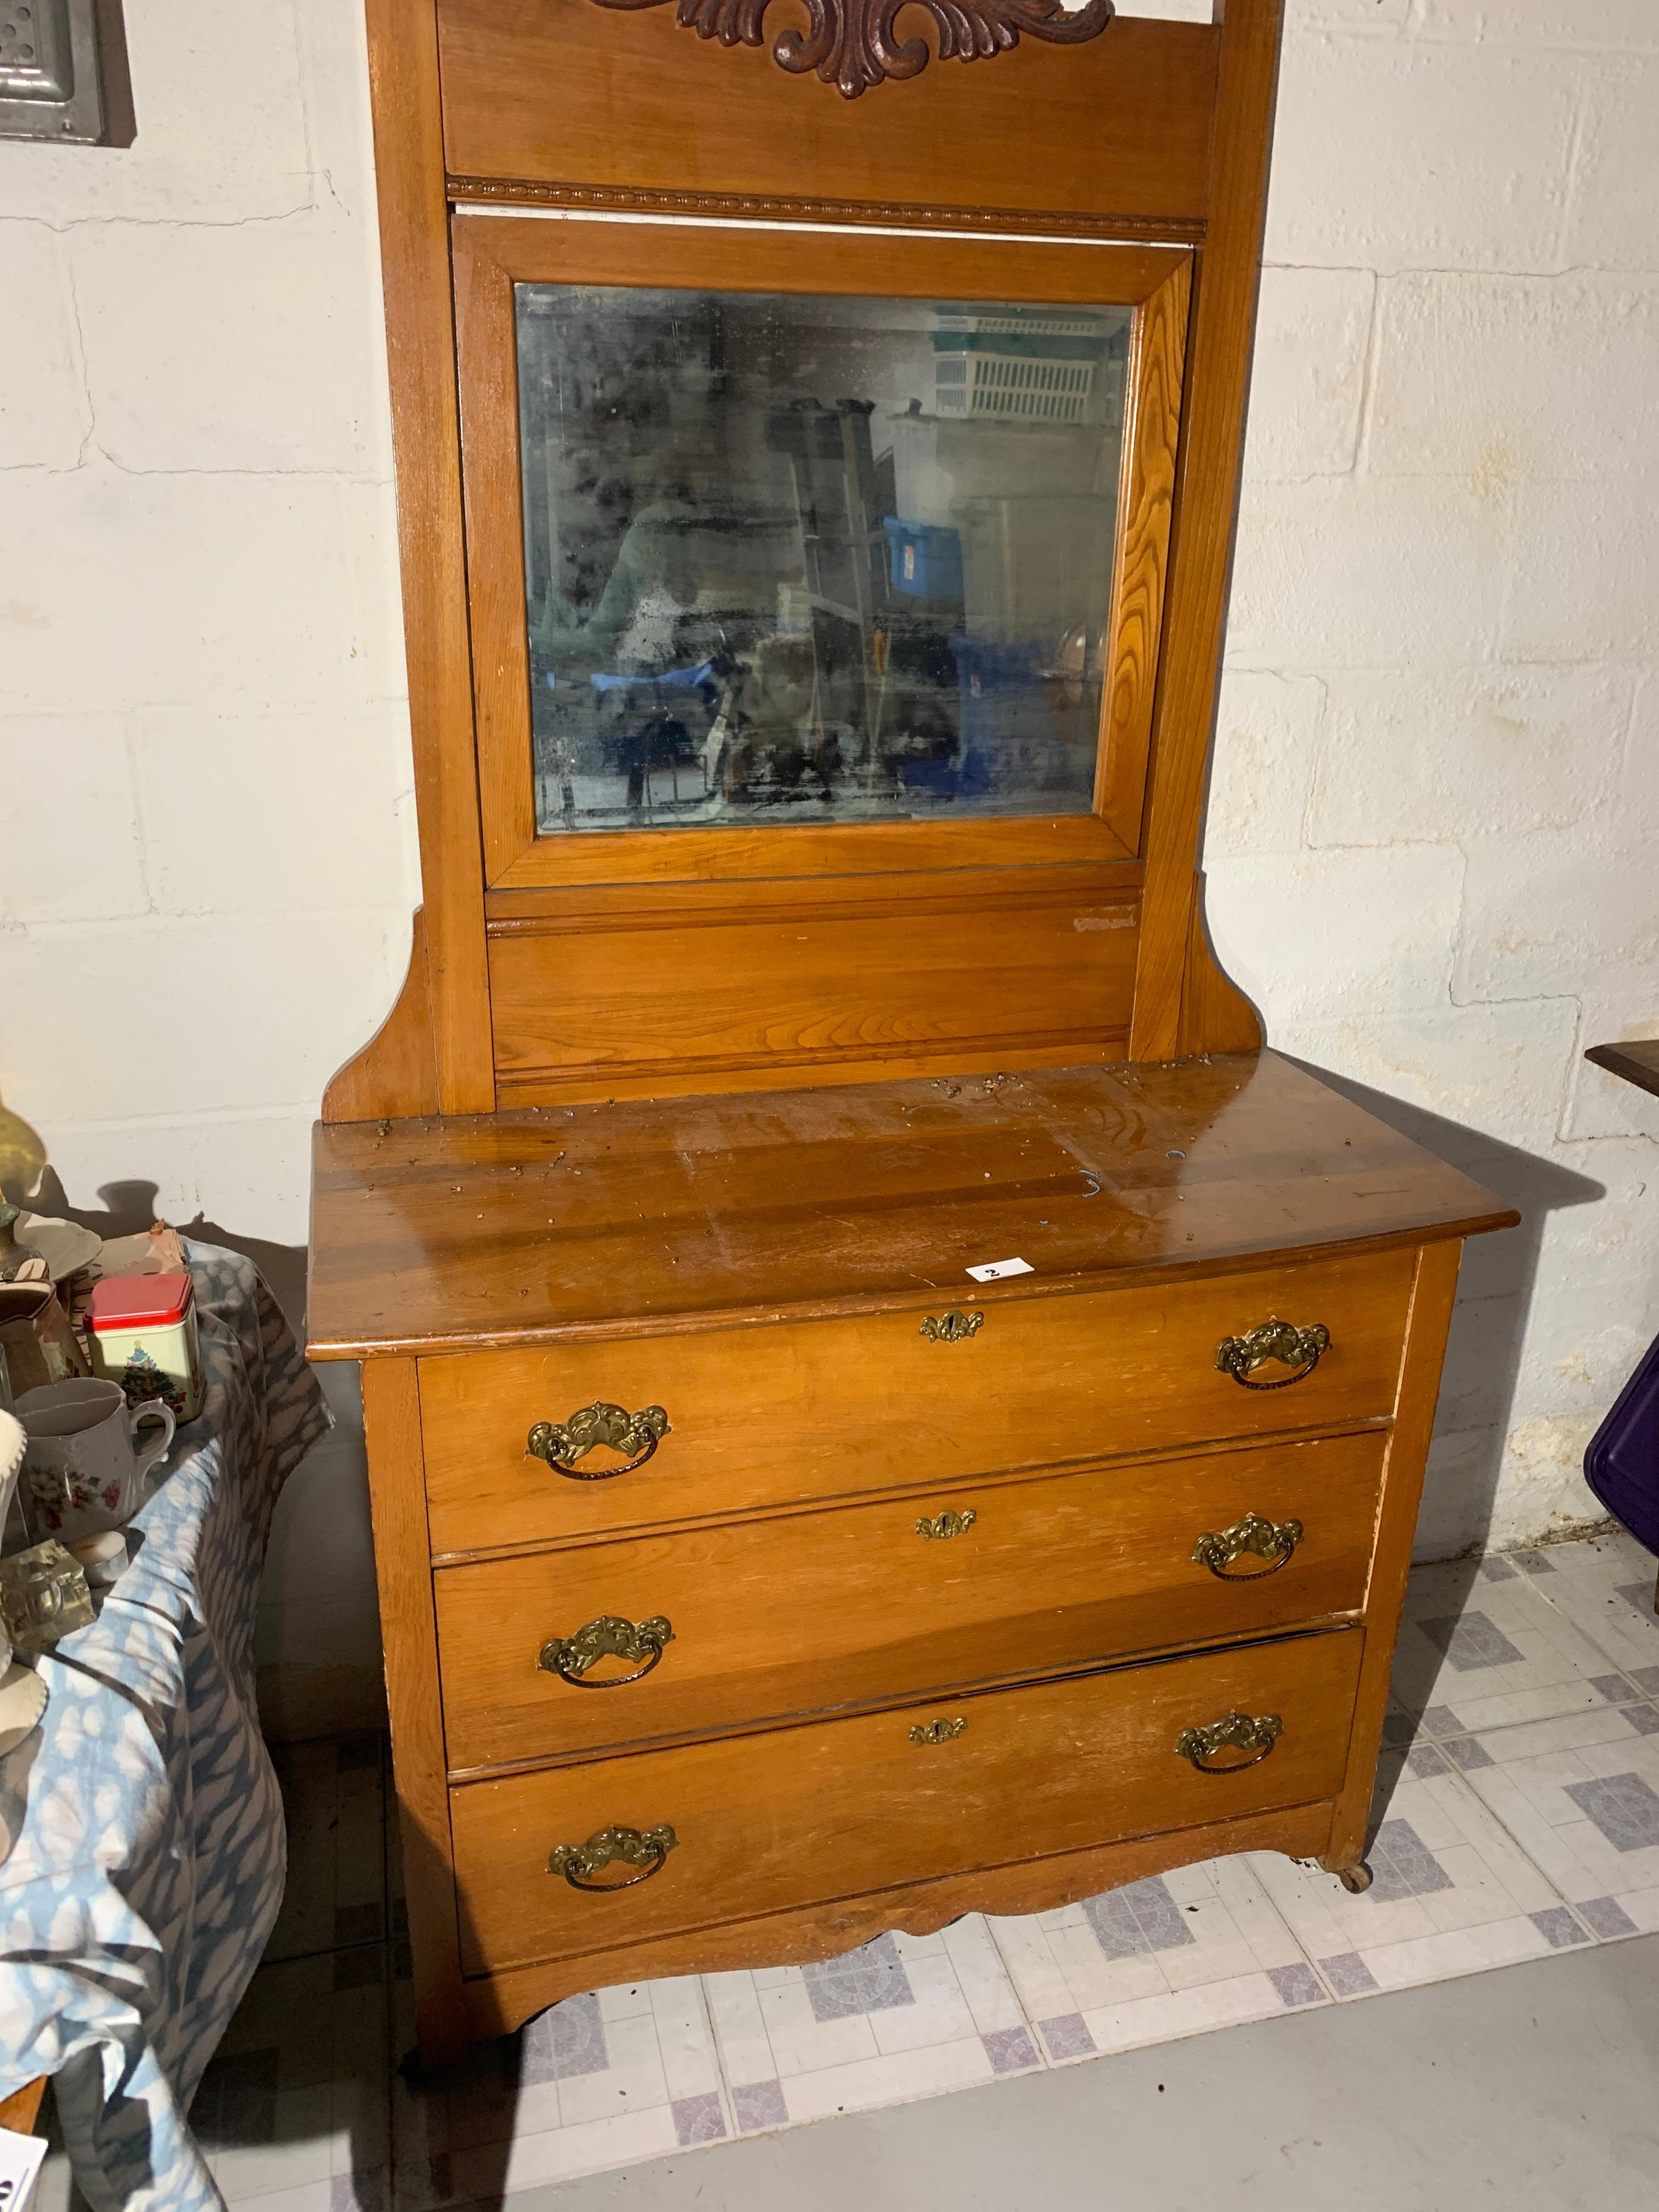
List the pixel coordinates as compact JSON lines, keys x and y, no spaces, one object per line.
{"x":83,"y":1474}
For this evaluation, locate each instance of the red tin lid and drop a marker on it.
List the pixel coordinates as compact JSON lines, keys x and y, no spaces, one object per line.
{"x":138,"y":1301}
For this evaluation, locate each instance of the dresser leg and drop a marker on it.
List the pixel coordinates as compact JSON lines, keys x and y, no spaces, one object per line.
{"x":1355,"y":1879}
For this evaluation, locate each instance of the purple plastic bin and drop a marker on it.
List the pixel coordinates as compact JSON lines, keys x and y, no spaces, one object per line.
{"x":1622,"y":1464}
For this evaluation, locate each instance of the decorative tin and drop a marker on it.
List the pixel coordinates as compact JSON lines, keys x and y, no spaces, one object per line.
{"x":142,"y":1332}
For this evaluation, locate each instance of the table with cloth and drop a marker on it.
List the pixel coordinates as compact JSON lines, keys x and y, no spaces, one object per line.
{"x":151,"y":1852}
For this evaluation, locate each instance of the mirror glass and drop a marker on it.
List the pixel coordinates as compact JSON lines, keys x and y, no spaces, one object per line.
{"x":794,"y":559}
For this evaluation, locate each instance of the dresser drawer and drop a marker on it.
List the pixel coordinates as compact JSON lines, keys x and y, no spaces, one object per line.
{"x":804,"y":1815}
{"x":806,"y":1612}
{"x":819,"y":1409}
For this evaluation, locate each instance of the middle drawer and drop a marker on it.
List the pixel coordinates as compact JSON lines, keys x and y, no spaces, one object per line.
{"x":812,"y":1611}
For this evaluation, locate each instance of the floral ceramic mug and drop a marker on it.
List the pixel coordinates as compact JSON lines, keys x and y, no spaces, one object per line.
{"x":83,"y":1474}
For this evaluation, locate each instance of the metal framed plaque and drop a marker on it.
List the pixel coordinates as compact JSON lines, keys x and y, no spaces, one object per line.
{"x":50,"y":80}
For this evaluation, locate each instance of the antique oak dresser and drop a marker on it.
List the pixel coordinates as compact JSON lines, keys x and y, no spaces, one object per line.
{"x":882,"y":1399}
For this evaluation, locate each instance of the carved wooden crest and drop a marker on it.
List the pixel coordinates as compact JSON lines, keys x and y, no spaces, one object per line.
{"x":851,"y":42}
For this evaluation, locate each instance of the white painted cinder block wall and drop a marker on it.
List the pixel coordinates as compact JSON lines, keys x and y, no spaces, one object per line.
{"x":1434,"y":807}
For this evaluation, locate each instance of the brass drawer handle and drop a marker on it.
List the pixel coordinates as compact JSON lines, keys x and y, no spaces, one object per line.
{"x":951,"y":1328}
{"x":610,"y":1637}
{"x":561,"y":1443}
{"x":1272,"y":1540}
{"x":1240,"y":1355}
{"x":1235,"y":1731}
{"x":948,"y":1523}
{"x":937,"y":1731}
{"x":613,"y":1847}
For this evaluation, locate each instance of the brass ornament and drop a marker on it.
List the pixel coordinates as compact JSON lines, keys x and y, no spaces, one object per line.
{"x":937,"y":1731}
{"x":610,"y":1637}
{"x":951,"y":1328}
{"x":1272,"y":1540}
{"x":645,"y":1850}
{"x":1234,"y":1731}
{"x":561,"y":1444}
{"x":948,"y":1523}
{"x":1297,"y":1348}
{"x":851,"y":45}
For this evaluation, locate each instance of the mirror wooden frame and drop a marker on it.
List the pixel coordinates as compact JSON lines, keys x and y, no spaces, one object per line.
{"x":988,"y":944}
{"x":496,"y":253}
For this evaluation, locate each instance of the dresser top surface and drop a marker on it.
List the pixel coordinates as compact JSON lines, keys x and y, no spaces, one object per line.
{"x":652,"y":1216}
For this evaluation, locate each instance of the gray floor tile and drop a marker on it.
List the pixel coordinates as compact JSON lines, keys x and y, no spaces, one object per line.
{"x":1140,"y":1917}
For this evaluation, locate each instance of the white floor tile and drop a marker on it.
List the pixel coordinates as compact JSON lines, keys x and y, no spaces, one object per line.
{"x":895,"y":2080}
{"x":1162,"y":2018}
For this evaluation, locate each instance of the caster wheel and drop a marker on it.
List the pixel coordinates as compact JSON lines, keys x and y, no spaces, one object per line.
{"x":1356,"y":1880}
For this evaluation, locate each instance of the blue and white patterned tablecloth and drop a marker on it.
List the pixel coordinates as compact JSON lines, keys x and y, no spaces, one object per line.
{"x":149,"y":1870}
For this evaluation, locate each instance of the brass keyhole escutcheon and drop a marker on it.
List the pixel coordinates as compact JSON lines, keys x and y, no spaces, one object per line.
{"x":940,"y":1731}
{"x":948,"y":1523}
{"x":953,"y":1328}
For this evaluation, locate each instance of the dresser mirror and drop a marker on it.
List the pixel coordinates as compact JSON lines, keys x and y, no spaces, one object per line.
{"x":851,"y":537}
{"x":793,"y":558}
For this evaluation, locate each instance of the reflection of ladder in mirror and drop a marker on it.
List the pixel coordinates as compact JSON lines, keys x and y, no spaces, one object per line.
{"x":844,"y":554}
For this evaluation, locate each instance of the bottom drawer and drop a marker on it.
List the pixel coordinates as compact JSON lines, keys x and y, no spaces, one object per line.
{"x":803,"y":1815}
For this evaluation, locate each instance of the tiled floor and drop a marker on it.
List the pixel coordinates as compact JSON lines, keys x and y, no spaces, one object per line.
{"x":1519,"y":1815}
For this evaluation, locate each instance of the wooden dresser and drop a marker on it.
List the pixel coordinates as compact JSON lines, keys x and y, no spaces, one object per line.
{"x":882,"y":1399}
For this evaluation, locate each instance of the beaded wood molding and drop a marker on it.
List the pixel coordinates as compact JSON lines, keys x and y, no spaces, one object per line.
{"x":851,"y":44}
{"x":757,"y":207}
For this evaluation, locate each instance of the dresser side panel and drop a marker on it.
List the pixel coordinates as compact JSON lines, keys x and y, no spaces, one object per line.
{"x":392,"y":1424}
{"x":1432,"y":1293}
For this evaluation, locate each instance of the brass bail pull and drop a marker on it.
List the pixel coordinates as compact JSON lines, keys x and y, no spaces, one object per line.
{"x":1233,"y":1732}
{"x":1299,"y":1349}
{"x":1254,"y":1537}
{"x":643,"y":1848}
{"x":561,"y":1444}
{"x":610,"y":1637}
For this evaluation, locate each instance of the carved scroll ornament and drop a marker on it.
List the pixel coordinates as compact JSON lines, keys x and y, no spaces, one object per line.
{"x":852,"y":43}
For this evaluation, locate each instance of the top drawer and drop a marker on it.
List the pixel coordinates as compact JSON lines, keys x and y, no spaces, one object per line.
{"x":778,"y":1415}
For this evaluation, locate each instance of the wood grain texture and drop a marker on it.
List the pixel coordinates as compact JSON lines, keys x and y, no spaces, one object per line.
{"x":964,"y":971}
{"x":1637,"y":1061}
{"x":1218,"y":374}
{"x":1152,"y":417}
{"x":472,"y":192}
{"x":855,"y":1805}
{"x":392,"y":1425}
{"x":810,"y":1612}
{"x":1215,"y":1014}
{"x":733,"y":1212}
{"x":620,"y":861}
{"x":561,"y":92}
{"x":497,"y":2004}
{"x":20,"y":2111}
{"x":397,"y":1071}
{"x":1432,"y":1295}
{"x":403,"y":59}
{"x":839,"y":1407}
